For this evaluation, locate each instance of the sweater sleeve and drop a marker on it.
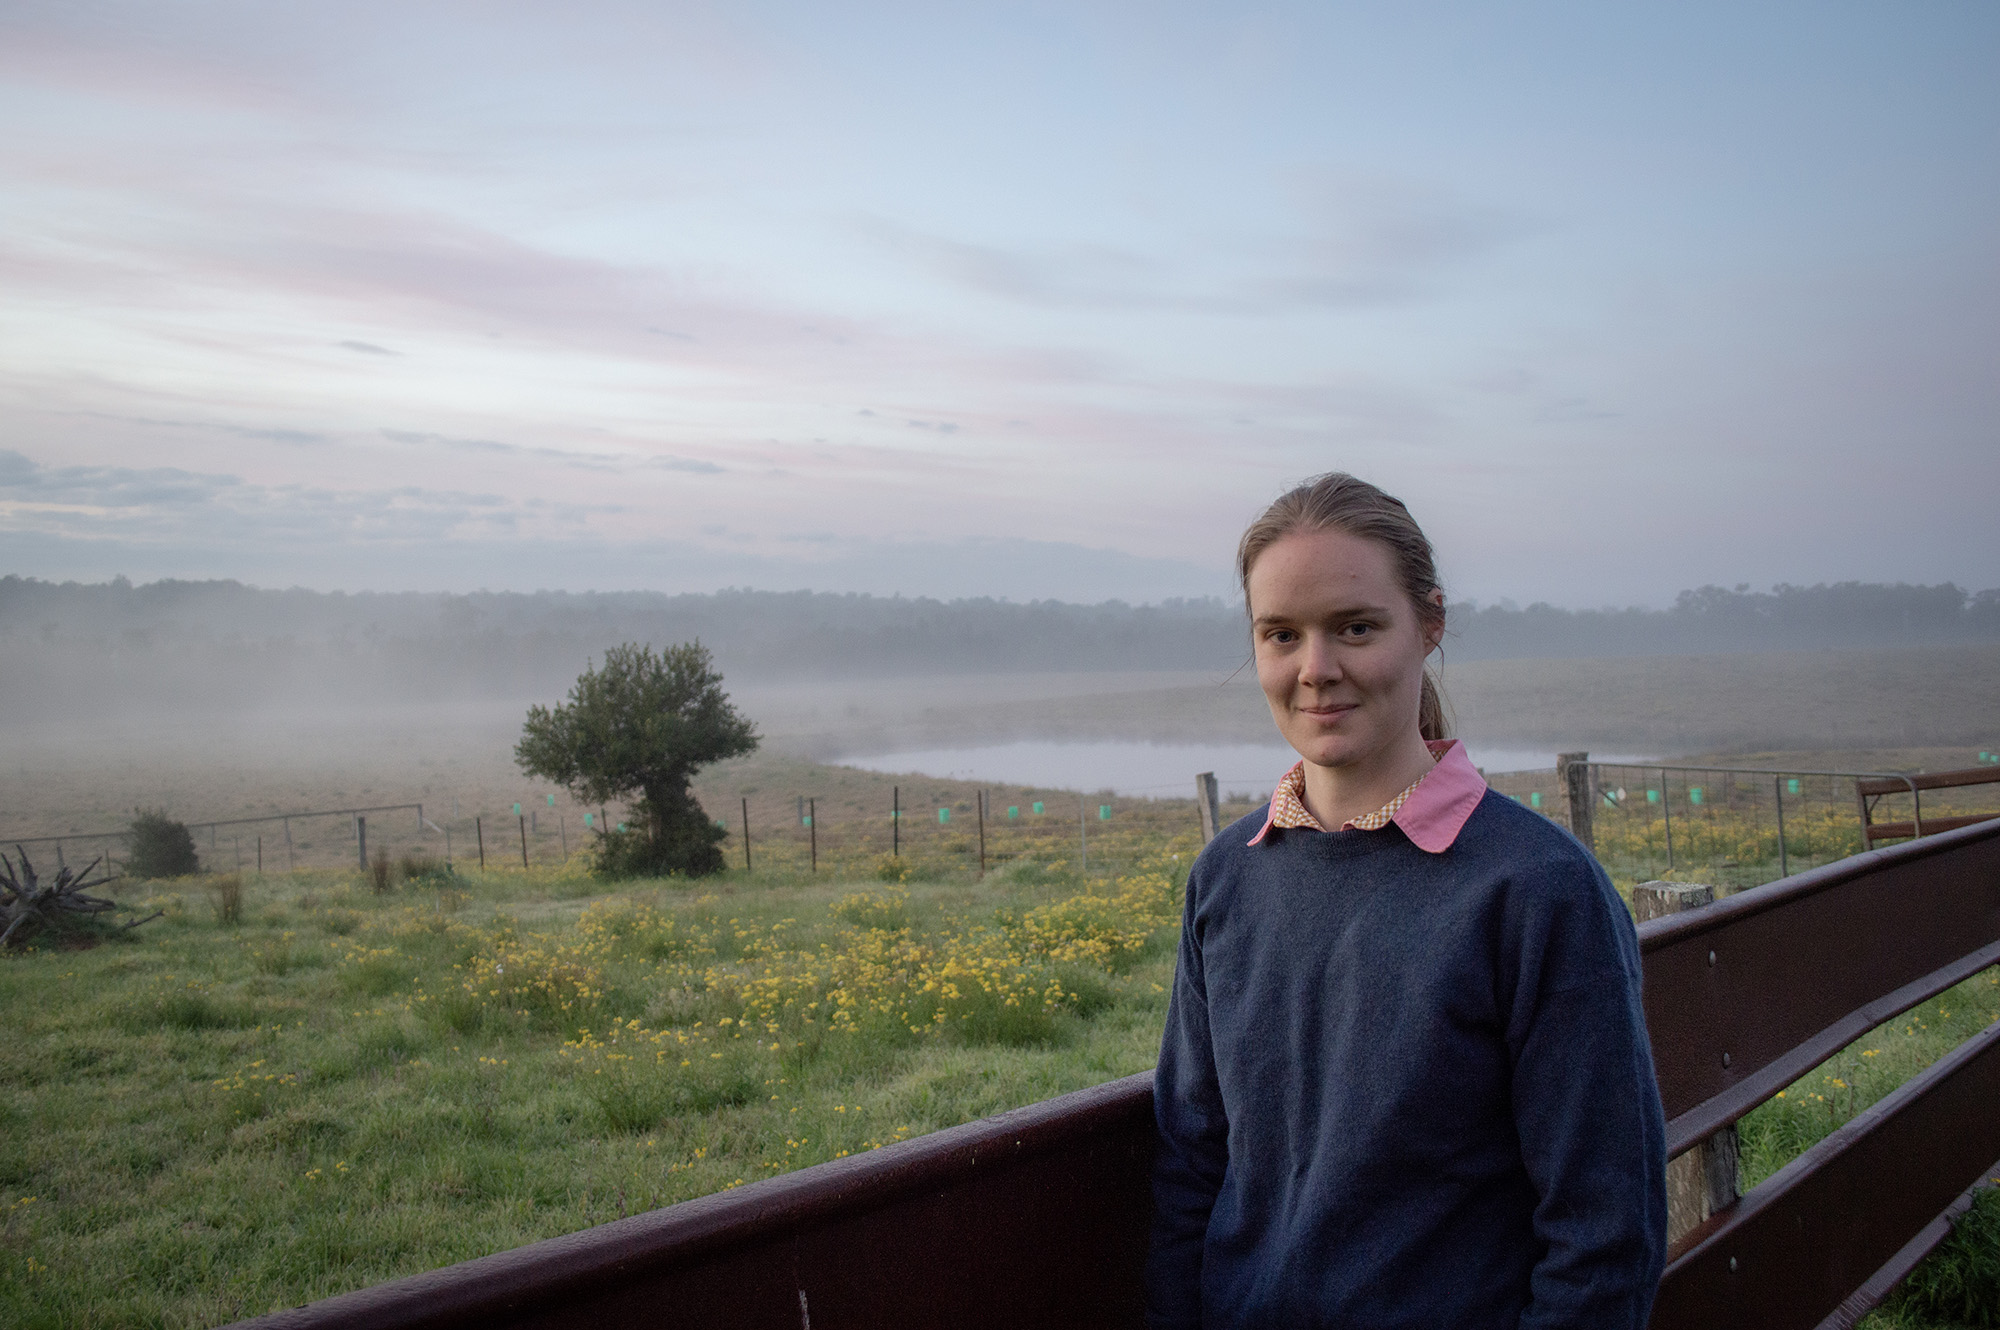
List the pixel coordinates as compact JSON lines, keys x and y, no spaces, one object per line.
{"x":1193,"y":1143}
{"x":1587,"y":1107}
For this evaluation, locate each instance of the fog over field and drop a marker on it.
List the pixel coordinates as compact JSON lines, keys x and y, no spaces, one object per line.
{"x":219,"y":699}
{"x":71,"y":651}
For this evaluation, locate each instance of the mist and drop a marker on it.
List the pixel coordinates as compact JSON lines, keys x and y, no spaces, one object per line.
{"x":214,"y":666}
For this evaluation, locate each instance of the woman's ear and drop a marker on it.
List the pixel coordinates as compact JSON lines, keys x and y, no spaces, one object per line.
{"x":1434,"y":637}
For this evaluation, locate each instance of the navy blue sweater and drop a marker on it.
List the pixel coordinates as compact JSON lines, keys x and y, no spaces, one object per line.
{"x":1401,"y":1089}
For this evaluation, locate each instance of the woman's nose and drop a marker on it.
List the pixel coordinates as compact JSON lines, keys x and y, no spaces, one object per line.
{"x":1319,"y":664}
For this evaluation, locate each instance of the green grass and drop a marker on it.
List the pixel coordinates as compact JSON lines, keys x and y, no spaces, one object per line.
{"x":1959,"y":1285}
{"x":202,"y":1122}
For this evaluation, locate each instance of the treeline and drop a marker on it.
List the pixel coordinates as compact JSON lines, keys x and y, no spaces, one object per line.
{"x":233,"y":644}
{"x":1711,"y":620}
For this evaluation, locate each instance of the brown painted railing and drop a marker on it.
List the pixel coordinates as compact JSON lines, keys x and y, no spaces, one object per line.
{"x":1867,"y":793}
{"x":1037,"y":1218}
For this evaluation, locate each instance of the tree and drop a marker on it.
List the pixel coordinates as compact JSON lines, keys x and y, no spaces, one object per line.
{"x":642,"y":725}
{"x":160,"y":846}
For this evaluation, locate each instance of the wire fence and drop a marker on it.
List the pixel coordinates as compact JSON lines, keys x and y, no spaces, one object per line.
{"x":1737,"y":827}
{"x":406,"y":835}
{"x":924,"y":831}
{"x":920,"y":831}
{"x":1732,"y":827}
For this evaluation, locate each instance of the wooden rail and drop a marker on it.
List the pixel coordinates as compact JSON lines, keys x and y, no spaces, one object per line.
{"x":1868,"y":793}
{"x":1038,"y":1217}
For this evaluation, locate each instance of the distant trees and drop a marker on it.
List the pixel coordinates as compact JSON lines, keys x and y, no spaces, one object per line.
{"x":201,"y":646}
{"x":641,"y":725}
{"x":159,"y":846}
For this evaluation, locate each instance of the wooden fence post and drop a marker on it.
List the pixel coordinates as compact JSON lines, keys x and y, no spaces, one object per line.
{"x":1573,"y":781}
{"x":1704,"y":1180}
{"x":1209,"y":801}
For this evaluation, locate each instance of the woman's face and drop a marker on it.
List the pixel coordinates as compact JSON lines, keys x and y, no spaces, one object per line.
{"x":1340,"y":648}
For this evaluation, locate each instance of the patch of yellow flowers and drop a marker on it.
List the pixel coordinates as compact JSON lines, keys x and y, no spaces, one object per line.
{"x":782,"y":989}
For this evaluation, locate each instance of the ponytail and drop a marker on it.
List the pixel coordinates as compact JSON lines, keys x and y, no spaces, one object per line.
{"x":1431,"y":720}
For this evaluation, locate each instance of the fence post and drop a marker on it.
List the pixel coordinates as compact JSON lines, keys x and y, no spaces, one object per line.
{"x":1082,"y":837}
{"x":1573,"y":778}
{"x":479,"y":830}
{"x":288,"y":846}
{"x":260,"y":855}
{"x":746,"y":833}
{"x":361,"y":839}
{"x":1209,"y":801}
{"x":812,"y":830}
{"x":896,"y":821}
{"x":1784,"y":860}
{"x":523,"y":820}
{"x":1701,"y":1182}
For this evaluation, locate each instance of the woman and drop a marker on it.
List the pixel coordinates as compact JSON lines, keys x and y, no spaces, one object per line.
{"x":1405,"y":1078}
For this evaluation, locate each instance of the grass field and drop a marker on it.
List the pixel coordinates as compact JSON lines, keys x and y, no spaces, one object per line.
{"x":213,"y":1117}
{"x":207,"y":1119}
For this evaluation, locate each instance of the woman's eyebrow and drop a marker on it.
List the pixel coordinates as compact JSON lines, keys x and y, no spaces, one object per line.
{"x":1345,"y":612}
{"x":1340,"y":612}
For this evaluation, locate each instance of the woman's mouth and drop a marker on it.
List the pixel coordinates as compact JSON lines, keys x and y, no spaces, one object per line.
{"x":1329,"y":713}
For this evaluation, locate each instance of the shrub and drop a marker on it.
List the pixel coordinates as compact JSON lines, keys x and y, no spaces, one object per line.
{"x":685,"y":846}
{"x":423,"y":870}
{"x":378,"y":872}
{"x":160,"y":846}
{"x":226,"y":895}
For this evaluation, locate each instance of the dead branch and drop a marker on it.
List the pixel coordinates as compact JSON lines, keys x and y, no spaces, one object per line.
{"x":26,"y":904}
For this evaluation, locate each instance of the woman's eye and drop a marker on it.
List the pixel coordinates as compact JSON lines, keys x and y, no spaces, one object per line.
{"x":1359,"y":629}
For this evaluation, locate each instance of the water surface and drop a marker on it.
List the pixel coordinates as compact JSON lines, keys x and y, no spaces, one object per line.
{"x":1146,"y":770}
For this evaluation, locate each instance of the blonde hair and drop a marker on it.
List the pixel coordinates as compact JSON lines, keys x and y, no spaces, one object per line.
{"x":1337,"y":501}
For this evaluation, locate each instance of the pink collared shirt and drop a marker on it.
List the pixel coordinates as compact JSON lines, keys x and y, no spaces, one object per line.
{"x":1431,"y":812}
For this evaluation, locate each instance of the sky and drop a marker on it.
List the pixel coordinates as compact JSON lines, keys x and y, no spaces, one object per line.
{"x":1024,"y":300}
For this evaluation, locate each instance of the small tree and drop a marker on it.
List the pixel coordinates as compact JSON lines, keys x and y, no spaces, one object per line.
{"x":161,"y":847}
{"x":642,"y":725}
